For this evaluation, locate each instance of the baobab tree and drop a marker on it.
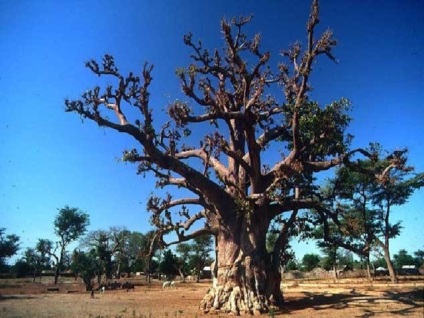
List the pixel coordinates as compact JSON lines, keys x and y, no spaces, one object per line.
{"x":109,"y":245}
{"x":237,"y":190}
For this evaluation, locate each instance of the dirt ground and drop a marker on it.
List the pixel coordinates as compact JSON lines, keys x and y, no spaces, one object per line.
{"x":318,"y":299}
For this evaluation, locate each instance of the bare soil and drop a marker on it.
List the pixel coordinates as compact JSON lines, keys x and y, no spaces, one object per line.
{"x":348,"y":298}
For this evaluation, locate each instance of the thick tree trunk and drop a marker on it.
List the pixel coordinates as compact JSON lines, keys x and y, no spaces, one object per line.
{"x":246,"y":282}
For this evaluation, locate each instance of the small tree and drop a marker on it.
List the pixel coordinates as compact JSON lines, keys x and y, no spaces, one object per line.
{"x":403,"y":258}
{"x":200,"y":256}
{"x":36,"y":259}
{"x":330,"y":259}
{"x":419,"y":258}
{"x":110,"y":247}
{"x":394,"y":190}
{"x":168,"y":265}
{"x":379,"y":262}
{"x":183,"y":249}
{"x":69,"y":225}
{"x":292,"y":265}
{"x":86,"y":266}
{"x":357,"y":216}
{"x":310,"y":261}
{"x":9,"y":246}
{"x":130,"y":255}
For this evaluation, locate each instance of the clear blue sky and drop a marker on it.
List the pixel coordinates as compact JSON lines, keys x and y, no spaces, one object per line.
{"x":49,"y":159}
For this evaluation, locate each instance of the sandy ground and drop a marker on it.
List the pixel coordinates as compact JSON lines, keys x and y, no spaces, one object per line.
{"x":303,"y":300}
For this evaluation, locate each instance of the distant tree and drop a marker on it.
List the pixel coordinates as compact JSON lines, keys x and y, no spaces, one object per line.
{"x":149,"y":247}
{"x":335,"y":258}
{"x":277,"y":237}
{"x":419,"y":258}
{"x":353,"y":221}
{"x":263,"y":141}
{"x":69,"y":225}
{"x":184,"y":250}
{"x":403,"y":258}
{"x":168,"y":265}
{"x":9,"y":246}
{"x":21,"y":268}
{"x":357,"y":216}
{"x":86,"y":265}
{"x":292,"y":265}
{"x":201,"y":248}
{"x":271,"y":238}
{"x":132,"y":251}
{"x":310,"y":261}
{"x":36,"y":259}
{"x":110,"y":247}
{"x":346,"y":259}
{"x":393,"y":190}
{"x":329,"y":261}
{"x":379,"y":262}
{"x":130,"y":255}
{"x":360,"y":264}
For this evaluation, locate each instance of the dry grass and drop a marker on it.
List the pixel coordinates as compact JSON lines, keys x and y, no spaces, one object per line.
{"x":24,"y":299}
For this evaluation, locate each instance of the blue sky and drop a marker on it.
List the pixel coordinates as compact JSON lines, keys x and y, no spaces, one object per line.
{"x":50,"y":159}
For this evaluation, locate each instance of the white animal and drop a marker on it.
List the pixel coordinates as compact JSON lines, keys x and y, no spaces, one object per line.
{"x":102,"y":290}
{"x":168,"y":284}
{"x":190,"y":278}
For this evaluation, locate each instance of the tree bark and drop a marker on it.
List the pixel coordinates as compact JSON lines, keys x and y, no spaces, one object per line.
{"x":183,"y":277}
{"x":34,"y":275}
{"x":58,"y":266}
{"x":246,"y":282}
{"x":392,"y":273}
{"x":386,"y":251}
{"x":368,"y":268}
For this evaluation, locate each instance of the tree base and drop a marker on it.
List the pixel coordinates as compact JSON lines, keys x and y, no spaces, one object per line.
{"x":236,"y":301}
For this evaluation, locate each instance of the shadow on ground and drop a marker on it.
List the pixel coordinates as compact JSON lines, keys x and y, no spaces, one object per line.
{"x":411,"y":299}
{"x":9,"y":297}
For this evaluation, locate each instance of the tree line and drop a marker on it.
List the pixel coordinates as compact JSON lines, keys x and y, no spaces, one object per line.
{"x":106,"y":254}
{"x":346,"y":259}
{"x":102,"y":254}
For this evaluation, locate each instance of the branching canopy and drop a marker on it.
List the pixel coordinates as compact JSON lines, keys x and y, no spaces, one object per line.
{"x":264,"y":137}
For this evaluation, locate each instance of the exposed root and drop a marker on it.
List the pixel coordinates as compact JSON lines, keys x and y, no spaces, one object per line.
{"x":234,"y":300}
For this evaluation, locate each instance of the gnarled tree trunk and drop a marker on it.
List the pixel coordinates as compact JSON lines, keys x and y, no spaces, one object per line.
{"x":246,"y":282}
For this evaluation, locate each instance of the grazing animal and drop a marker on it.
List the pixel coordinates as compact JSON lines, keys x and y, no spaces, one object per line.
{"x":114,"y":285}
{"x":128,"y":286}
{"x":167,"y":284}
{"x":172,"y":285}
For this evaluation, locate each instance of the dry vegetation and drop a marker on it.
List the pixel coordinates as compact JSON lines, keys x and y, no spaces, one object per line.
{"x":348,"y":298}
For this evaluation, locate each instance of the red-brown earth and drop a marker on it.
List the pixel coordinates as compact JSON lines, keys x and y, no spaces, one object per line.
{"x":324,"y":298}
